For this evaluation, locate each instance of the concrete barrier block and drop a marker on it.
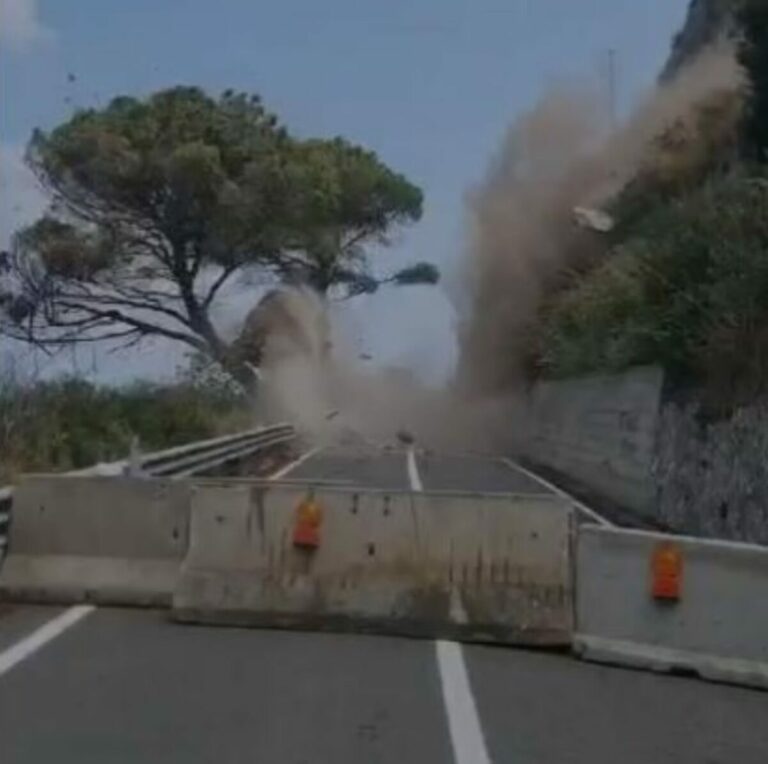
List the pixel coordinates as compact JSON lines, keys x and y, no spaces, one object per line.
{"x":108,"y":540}
{"x":718,"y":628}
{"x":495,"y":568}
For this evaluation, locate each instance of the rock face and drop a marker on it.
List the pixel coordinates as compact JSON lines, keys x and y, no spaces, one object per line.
{"x":644,"y":445}
{"x":712,"y":478}
{"x":706,"y":21}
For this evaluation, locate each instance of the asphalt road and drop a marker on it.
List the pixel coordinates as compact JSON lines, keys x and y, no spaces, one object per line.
{"x":368,"y":468}
{"x":129,"y":686}
{"x":387,"y":468}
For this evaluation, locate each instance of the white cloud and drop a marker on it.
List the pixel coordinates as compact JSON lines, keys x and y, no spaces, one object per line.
{"x":20,"y":24}
{"x":21,"y":200}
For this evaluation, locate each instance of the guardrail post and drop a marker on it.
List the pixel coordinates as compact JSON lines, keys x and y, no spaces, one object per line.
{"x":133,"y":467}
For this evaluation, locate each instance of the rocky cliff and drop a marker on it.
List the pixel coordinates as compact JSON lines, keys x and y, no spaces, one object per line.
{"x":705,"y":22}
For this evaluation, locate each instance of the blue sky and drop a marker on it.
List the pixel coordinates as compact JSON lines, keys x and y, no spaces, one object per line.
{"x":430,"y":85}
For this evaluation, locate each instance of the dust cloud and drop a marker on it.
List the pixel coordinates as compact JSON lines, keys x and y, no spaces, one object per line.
{"x":523,"y":236}
{"x":335,"y":398}
{"x":563,"y":154}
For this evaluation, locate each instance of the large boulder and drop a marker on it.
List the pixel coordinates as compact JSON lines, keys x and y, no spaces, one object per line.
{"x":286,"y":322}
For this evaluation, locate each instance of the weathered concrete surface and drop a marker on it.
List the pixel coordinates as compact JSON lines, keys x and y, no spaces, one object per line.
{"x":110,"y":540}
{"x":599,"y":431}
{"x":718,"y":628}
{"x":481,"y":567}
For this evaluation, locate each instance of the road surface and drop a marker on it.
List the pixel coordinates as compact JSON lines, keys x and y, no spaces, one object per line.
{"x":107,"y":686}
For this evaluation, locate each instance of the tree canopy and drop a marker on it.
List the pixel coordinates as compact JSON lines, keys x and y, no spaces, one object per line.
{"x":157,"y":204}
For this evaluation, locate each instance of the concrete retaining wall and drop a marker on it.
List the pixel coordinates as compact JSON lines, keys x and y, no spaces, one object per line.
{"x":110,"y":540}
{"x":619,"y":438}
{"x":718,"y":628}
{"x":599,"y":431}
{"x":479,"y":567}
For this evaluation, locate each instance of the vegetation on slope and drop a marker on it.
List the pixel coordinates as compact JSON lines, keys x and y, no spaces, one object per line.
{"x":686,"y":283}
{"x":688,"y":290}
{"x":69,"y":423}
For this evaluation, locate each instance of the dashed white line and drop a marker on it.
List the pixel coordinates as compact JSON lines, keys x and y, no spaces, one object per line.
{"x":283,"y":471}
{"x":40,"y":637}
{"x":413,"y":471}
{"x":559,"y":492}
{"x":467,"y":736}
{"x":466,"y":731}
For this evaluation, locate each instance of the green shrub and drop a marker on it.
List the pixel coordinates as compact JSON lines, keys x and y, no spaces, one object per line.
{"x":68,"y":424}
{"x":689,"y":291}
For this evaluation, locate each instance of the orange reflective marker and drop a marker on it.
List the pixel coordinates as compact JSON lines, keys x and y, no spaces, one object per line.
{"x":306,"y":531}
{"x":667,"y":572}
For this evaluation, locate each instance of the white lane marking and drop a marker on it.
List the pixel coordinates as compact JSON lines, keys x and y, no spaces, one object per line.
{"x":576,"y":503}
{"x":457,"y":612}
{"x":463,"y":721}
{"x":413,"y":471}
{"x":40,"y":637}
{"x":283,"y":471}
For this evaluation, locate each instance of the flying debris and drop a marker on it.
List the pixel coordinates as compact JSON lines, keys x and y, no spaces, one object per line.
{"x":256,"y":372}
{"x":405,"y":437}
{"x":594,"y":220}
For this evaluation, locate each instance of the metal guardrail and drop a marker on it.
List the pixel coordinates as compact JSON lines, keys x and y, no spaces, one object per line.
{"x":6,"y":497}
{"x":181,"y":461}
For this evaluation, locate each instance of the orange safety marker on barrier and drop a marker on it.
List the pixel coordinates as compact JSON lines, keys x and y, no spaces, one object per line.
{"x":667,"y":572}
{"x":306,"y":531}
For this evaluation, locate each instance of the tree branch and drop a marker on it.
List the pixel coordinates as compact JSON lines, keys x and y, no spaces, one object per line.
{"x":152,"y":307}
{"x":218,"y":284}
{"x":363,"y":233}
{"x":113,"y":315}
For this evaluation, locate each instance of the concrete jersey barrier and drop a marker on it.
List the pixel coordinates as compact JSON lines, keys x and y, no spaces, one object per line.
{"x":109,"y":540}
{"x":494,"y":568}
{"x":717,"y":629}
{"x":478,"y":567}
